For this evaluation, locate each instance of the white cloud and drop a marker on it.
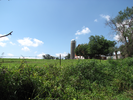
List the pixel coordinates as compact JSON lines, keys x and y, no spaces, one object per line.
{"x":2,"y":44}
{"x":116,"y":37}
{"x":40,"y":55}
{"x":4,"y":38}
{"x":12,"y":43}
{"x":77,"y":37}
{"x":9,"y":54}
{"x":120,"y":38}
{"x":95,"y":20}
{"x":85,"y":30}
{"x":28,"y":42}
{"x":62,"y":54}
{"x":25,"y":49}
{"x":107,"y":17}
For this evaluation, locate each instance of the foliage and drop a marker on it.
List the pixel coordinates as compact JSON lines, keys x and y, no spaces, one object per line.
{"x":68,"y":56}
{"x":47,"y":56}
{"x":73,"y":80}
{"x":81,"y":50}
{"x":113,"y":49}
{"x":123,"y":51}
{"x":122,"y":24}
{"x":97,"y":45}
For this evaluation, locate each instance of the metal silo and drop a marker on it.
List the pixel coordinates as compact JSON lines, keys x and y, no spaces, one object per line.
{"x":73,"y":46}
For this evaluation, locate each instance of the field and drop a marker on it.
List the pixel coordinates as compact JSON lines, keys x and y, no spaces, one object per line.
{"x":39,"y":79}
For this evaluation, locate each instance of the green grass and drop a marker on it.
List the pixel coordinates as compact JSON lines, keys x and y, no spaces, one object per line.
{"x":74,"y":80}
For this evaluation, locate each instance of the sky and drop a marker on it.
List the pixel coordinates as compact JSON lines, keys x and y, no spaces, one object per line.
{"x":47,"y":26}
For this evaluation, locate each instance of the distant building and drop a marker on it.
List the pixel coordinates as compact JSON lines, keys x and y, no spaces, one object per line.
{"x":114,"y":57}
{"x":79,"y":57}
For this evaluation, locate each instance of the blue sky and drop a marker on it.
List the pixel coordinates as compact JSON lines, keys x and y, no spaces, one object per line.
{"x":48,"y":26}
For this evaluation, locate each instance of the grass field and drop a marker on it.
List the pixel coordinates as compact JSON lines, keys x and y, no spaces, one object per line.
{"x":39,"y":79}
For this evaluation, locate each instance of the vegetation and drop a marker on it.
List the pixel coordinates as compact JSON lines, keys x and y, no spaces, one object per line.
{"x":97,"y":45}
{"x":47,"y":56}
{"x":74,"y":79}
{"x":122,"y":24}
{"x":81,"y":50}
{"x":114,"y":49}
{"x":89,"y":79}
{"x":68,"y":56}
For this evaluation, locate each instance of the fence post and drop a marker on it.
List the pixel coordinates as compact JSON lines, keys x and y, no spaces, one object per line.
{"x":100,"y":57}
{"x":60,"y":59}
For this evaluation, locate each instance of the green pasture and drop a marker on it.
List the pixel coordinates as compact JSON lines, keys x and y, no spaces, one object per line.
{"x":89,"y":79}
{"x":41,"y":62}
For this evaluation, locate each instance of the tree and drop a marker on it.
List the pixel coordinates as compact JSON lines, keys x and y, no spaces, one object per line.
{"x":123,"y":51}
{"x":57,"y":58}
{"x":81,"y":50}
{"x":98,"y":45}
{"x":68,"y":56}
{"x":122,"y":24}
{"x":114,"y":49}
{"x":47,"y":56}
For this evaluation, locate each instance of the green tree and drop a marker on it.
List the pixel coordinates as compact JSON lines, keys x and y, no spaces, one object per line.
{"x":81,"y":50}
{"x":57,"y":58}
{"x":68,"y":56}
{"x":98,"y":45}
{"x":122,"y":25}
{"x":47,"y":56}
{"x":123,"y":51}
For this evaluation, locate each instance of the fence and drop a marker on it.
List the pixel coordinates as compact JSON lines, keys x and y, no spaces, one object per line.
{"x":21,"y":57}
{"x":26,"y":57}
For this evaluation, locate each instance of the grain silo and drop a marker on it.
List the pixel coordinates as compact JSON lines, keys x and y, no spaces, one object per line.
{"x":73,"y":46}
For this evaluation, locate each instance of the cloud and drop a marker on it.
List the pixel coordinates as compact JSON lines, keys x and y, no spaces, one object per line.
{"x":25,"y":49}
{"x":95,"y":20}
{"x":85,"y":30}
{"x":28,"y":42}
{"x":9,"y":54}
{"x":120,"y":37}
{"x":62,"y":54}
{"x":4,"y":38}
{"x":107,"y":17}
{"x":12,"y":43}
{"x":40,"y":55}
{"x":77,"y":37}
{"x":2,"y":44}
{"x":116,"y":37}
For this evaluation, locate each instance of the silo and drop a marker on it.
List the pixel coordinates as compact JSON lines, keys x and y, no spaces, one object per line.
{"x":73,"y":46}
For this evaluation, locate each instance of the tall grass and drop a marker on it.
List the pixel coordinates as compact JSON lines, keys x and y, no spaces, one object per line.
{"x":73,"y":80}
